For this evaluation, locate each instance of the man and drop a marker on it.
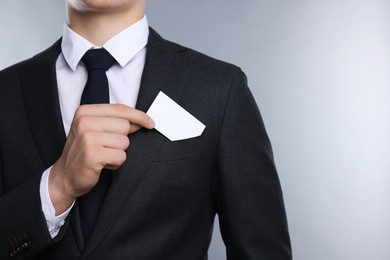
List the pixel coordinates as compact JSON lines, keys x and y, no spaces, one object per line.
{"x":159,"y":197}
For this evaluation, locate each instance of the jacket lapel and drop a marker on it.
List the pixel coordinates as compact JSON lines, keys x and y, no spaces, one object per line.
{"x":39,"y":90}
{"x":164,"y":71}
{"x":40,"y":94}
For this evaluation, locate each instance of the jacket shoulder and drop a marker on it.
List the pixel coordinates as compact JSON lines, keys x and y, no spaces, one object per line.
{"x":199,"y":61}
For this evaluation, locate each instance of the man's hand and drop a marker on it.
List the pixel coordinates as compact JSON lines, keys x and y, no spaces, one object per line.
{"x":97,"y":139}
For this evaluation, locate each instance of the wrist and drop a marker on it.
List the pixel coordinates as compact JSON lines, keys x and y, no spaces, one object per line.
{"x":60,"y":196}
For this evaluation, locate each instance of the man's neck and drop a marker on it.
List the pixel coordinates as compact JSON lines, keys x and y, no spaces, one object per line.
{"x":98,"y":28}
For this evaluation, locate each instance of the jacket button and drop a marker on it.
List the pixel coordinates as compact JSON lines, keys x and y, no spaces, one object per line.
{"x":26,"y":244}
{"x":15,"y":251}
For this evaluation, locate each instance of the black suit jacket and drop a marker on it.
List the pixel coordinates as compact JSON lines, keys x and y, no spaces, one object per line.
{"x":163,"y":199}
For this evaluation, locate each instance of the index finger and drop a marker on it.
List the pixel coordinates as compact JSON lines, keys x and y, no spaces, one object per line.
{"x":137,"y":118}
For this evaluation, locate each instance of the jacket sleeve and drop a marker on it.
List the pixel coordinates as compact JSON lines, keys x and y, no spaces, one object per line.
{"x":23,"y":229}
{"x":22,"y":223}
{"x":248,"y":193}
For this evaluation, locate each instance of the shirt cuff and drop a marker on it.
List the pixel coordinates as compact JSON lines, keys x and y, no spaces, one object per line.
{"x":54,"y":223}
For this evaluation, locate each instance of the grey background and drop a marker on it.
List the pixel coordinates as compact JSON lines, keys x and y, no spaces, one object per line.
{"x":320,"y":73}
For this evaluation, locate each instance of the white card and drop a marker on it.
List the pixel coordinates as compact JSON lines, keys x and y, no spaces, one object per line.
{"x":172,"y":120}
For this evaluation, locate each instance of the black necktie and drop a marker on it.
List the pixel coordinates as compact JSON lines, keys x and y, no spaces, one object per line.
{"x":97,"y":62}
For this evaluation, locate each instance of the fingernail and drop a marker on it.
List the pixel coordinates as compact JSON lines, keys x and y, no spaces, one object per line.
{"x":151,"y":123}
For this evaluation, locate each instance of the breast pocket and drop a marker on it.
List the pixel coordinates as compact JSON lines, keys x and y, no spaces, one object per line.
{"x":180,"y":150}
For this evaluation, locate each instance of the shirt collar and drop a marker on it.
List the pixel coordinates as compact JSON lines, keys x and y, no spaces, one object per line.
{"x":123,"y":47}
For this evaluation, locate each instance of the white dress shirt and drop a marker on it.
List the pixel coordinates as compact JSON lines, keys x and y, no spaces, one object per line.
{"x":124,"y":77}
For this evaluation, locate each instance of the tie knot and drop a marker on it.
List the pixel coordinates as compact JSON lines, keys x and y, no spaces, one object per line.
{"x":98,"y":59}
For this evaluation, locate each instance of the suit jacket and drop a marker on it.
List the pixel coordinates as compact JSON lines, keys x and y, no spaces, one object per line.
{"x":163,"y":199}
